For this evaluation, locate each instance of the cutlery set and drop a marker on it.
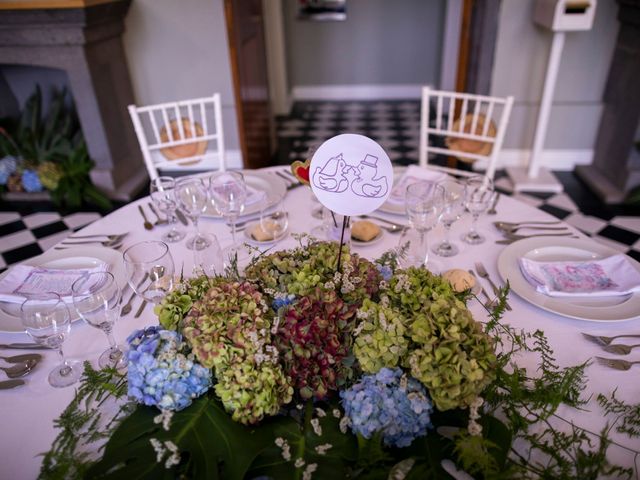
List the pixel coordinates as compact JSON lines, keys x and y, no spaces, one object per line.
{"x":509,"y":229}
{"x":20,"y":365}
{"x":481,"y":271}
{"x":615,"y":349}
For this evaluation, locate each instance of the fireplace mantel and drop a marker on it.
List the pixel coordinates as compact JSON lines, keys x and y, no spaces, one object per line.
{"x":85,"y":42}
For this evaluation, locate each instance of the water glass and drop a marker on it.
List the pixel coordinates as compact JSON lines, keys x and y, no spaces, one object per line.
{"x":209,"y":260}
{"x":478,"y":193}
{"x":451,"y":212}
{"x":274,"y":218}
{"x":191,"y":195}
{"x":46,"y":319}
{"x":229,"y":194}
{"x":96,"y":298}
{"x":150,"y":269}
{"x":424,"y":203}
{"x":162,"y":191}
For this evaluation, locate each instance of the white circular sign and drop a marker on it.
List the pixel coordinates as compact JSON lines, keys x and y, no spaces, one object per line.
{"x":351,"y":174}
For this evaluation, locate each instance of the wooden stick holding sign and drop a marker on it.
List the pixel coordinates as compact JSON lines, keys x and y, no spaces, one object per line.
{"x":345,"y":223}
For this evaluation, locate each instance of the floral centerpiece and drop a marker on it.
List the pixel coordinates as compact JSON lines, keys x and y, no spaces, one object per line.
{"x":297,"y":370}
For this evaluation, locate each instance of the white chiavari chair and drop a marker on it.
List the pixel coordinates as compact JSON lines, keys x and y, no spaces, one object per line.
{"x":462,"y":125}
{"x":180,"y":136}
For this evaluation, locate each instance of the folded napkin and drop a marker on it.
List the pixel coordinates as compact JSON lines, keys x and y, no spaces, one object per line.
{"x":412,"y":175}
{"x":609,"y":276}
{"x":23,"y":280}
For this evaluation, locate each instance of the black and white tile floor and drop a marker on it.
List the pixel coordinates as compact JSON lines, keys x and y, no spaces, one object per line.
{"x":28,"y":231}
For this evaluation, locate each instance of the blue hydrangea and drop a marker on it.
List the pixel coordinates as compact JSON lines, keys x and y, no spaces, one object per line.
{"x":385,"y":271}
{"x":160,"y":373}
{"x":31,"y":181}
{"x":8,"y":166}
{"x":391,"y":403}
{"x":283,"y":301}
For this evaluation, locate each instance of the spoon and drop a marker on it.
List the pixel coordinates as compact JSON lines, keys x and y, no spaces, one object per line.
{"x":147,"y":224}
{"x":20,"y":369}
{"x":126,"y":308}
{"x":22,"y":358}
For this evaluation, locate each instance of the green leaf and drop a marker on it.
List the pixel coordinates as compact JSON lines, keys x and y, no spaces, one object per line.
{"x":211,"y":445}
{"x":433,"y":449}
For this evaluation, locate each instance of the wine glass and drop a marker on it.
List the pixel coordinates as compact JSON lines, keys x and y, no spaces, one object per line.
{"x":274,"y":219}
{"x":229,"y":194}
{"x":163,"y":196}
{"x":208,"y":261}
{"x":452,"y":209}
{"x":191,"y":195}
{"x":149,"y":267}
{"x":424,"y":203}
{"x":478,"y":192}
{"x":46,"y":319}
{"x":96,"y":298}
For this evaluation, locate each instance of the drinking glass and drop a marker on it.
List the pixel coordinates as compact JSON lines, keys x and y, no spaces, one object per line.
{"x":423,"y":202}
{"x":229,"y":194}
{"x":274,"y":219}
{"x":192,"y":198}
{"x":47,"y":320}
{"x":163,"y":196}
{"x":478,"y":192}
{"x":208,"y":261}
{"x":96,"y":298}
{"x":149,"y":267}
{"x":452,"y":209}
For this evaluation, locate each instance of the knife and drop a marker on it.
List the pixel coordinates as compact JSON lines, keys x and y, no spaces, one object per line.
{"x":180,"y":216}
{"x":140,"y":309}
{"x":7,"y":384}
{"x":24,"y":346}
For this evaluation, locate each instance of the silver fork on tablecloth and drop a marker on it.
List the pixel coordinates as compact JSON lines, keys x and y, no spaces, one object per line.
{"x":616,"y":363}
{"x":601,"y":340}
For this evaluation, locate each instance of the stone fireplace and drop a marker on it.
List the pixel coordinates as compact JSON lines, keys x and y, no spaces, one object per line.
{"x":83,"y":38}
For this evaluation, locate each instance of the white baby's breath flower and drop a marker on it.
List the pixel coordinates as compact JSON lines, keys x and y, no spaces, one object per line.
{"x":336,"y":413}
{"x":344,"y":424}
{"x":308,"y":472}
{"x":315,"y":424}
{"x":322,"y":449}
{"x":299,"y":463}
{"x":320,"y":413}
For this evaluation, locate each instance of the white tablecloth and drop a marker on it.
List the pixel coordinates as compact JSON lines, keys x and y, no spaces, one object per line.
{"x":27,"y":413}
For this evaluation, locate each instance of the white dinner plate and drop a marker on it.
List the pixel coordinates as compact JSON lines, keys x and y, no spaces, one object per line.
{"x":79,"y":257}
{"x":249,"y":228}
{"x":590,"y":308}
{"x":274,"y":186}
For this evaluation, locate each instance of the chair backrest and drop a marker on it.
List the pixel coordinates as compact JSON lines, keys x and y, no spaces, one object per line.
{"x":461,"y":125}
{"x":178,"y":136}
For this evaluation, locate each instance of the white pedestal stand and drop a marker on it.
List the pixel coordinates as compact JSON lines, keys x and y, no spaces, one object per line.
{"x":535,"y":178}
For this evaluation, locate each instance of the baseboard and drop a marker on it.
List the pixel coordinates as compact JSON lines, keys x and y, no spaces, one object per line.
{"x":560,"y":160}
{"x":357,"y":92}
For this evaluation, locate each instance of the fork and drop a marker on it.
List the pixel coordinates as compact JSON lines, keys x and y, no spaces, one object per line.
{"x":616,"y":363}
{"x":484,"y":274}
{"x":620,"y":349}
{"x":501,"y":225}
{"x":512,"y":237}
{"x":508,"y":230}
{"x":607,"y":340}
{"x":490,"y":302}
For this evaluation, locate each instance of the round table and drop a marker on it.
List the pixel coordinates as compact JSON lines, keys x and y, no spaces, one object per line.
{"x":27,"y":413}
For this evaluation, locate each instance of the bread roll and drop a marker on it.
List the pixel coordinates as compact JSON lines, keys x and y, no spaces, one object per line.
{"x":364,"y":230}
{"x":257,"y":233}
{"x":460,"y":280}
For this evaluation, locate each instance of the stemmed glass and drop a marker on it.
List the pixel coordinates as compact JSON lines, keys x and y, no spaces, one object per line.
{"x":274,"y":219}
{"x":46,"y":319}
{"x":96,"y":298}
{"x":452,"y":209}
{"x":423,"y":202}
{"x":191,"y":195}
{"x":229,"y":194}
{"x":163,"y":196}
{"x":208,"y":261}
{"x":478,"y":192}
{"x":150,"y":269}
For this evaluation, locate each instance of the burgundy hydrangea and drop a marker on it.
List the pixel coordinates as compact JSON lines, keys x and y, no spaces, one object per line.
{"x":314,"y":337}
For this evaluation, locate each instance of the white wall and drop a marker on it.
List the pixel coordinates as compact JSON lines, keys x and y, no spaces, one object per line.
{"x":522,"y":52}
{"x":178,"y":50}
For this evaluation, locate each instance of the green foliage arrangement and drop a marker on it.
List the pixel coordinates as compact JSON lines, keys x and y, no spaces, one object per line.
{"x":48,"y":152}
{"x":280,"y":358}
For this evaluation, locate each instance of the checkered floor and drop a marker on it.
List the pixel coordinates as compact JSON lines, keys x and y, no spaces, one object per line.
{"x":28,"y":231}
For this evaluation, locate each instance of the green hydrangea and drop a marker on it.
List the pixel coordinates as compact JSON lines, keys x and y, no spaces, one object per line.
{"x":446,"y":348}
{"x":50,"y":175}
{"x":229,"y":330}
{"x":381,"y":340}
